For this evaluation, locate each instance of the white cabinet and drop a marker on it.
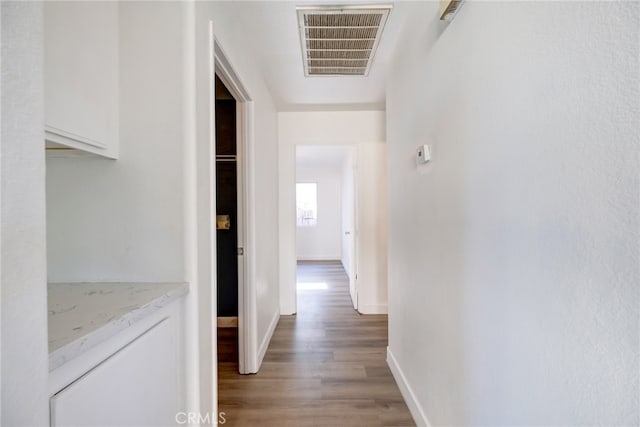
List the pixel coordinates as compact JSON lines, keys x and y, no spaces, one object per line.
{"x":137,"y":386}
{"x":81,"y":76}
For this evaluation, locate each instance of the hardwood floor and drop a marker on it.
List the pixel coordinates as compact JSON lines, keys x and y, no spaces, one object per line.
{"x":325,"y":366}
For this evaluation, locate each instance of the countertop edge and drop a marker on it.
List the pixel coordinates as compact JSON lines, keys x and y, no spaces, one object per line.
{"x":64,"y":354}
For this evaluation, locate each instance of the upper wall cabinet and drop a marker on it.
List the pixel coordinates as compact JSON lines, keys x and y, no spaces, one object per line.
{"x":81,"y":76}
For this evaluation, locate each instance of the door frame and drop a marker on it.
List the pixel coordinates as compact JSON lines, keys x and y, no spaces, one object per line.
{"x":353,"y":152}
{"x":353,"y":277}
{"x":247,"y":310}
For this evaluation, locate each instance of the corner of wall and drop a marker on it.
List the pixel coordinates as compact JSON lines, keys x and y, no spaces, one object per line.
{"x":417,"y":412}
{"x":24,"y":400}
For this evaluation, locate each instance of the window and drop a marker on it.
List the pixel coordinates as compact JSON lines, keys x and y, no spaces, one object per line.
{"x":307,"y":204}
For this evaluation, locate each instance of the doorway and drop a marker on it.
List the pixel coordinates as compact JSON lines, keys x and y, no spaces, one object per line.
{"x":326,"y":229}
{"x":227,"y":224}
{"x":245,"y":323}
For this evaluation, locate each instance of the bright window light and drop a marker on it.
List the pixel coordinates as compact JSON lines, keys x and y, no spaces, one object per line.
{"x":312,"y":286}
{"x":307,"y":204}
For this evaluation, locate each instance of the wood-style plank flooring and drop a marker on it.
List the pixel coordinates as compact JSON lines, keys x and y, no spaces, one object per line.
{"x":325,"y":366}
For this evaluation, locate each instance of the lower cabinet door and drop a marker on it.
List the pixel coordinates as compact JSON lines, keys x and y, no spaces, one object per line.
{"x":137,"y":386}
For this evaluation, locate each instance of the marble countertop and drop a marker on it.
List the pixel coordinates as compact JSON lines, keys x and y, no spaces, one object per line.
{"x":82,"y":315}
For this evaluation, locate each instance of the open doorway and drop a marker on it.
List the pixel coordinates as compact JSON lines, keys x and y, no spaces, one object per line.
{"x":326,"y":229}
{"x":247,"y":348}
{"x":227,"y":225}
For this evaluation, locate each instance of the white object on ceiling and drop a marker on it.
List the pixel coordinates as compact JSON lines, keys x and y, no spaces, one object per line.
{"x":340,"y":40}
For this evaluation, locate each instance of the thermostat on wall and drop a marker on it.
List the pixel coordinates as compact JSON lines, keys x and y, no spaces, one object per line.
{"x":423,"y":153}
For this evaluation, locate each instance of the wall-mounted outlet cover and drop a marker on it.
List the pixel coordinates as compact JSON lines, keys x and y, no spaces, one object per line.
{"x":423,"y":154}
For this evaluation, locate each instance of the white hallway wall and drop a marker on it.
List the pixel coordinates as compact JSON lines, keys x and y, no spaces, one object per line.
{"x":24,"y":365}
{"x":513,"y":255}
{"x":366,"y":130}
{"x":323,"y":241}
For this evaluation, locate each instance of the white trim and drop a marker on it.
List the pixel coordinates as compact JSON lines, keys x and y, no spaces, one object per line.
{"x":247,"y":308}
{"x":249,"y":297}
{"x":264,"y":345}
{"x":410,"y":399}
{"x":372,"y":309}
{"x":228,"y":75}
{"x":210,"y":264}
{"x":355,"y":241}
{"x":70,"y":140}
{"x":195,"y":327}
{"x":62,"y":136}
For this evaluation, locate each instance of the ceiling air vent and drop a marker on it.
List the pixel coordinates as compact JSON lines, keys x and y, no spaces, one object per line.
{"x":448,"y":9}
{"x":340,"y":40}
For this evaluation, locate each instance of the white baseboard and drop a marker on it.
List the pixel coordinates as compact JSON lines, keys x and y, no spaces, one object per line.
{"x":372,"y":308}
{"x":415,"y":408}
{"x":262,"y":350}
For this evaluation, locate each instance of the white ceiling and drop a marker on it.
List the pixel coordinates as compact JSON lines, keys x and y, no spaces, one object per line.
{"x":327,"y":156}
{"x":272,"y":28}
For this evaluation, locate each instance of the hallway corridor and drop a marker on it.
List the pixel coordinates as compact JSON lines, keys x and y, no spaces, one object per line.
{"x":325,"y":366}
